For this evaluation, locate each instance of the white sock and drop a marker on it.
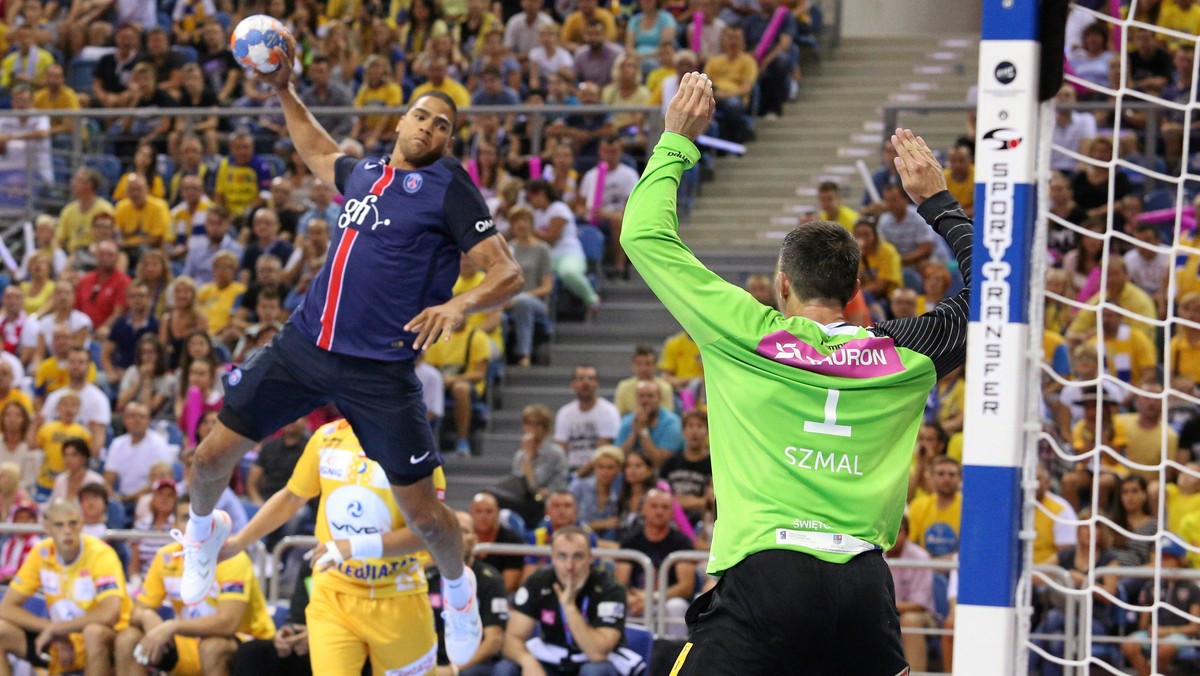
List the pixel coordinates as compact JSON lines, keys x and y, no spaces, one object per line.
{"x":199,"y":527}
{"x":458,"y":592}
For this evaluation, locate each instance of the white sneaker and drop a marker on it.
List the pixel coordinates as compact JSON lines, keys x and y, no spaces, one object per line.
{"x":464,"y":629}
{"x":200,"y":558}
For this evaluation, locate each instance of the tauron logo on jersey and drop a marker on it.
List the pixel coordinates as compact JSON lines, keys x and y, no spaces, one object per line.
{"x":412,"y":183}
{"x":359,"y":212}
{"x":858,"y":358}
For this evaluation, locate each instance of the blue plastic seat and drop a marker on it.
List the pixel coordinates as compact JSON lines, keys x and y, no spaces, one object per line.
{"x":640,"y":640}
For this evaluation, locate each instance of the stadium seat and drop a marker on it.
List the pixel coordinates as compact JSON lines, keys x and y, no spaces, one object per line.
{"x":276,"y":163}
{"x":108,"y":166}
{"x":593,"y":249}
{"x":279,"y":613}
{"x":166,"y":612}
{"x":188,"y":53}
{"x":941,"y":599}
{"x":36,"y":604}
{"x":640,"y":640}
{"x":80,"y":73}
{"x":224,"y":19}
{"x":1163,"y":198}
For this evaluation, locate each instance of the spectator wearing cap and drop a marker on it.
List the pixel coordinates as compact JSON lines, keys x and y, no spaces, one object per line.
{"x":127,"y":464}
{"x":76,"y":456}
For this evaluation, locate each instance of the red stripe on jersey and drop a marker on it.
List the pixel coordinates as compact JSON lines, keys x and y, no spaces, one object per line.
{"x":384,"y":180}
{"x":337,"y":274}
{"x":333,"y":294}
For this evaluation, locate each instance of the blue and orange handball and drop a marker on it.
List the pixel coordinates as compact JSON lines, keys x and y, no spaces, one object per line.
{"x":254,"y":41}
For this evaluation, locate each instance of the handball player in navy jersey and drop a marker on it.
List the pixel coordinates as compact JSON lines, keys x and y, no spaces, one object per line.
{"x":383,"y":295}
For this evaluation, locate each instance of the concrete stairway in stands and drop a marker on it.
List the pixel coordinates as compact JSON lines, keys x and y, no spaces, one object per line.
{"x":741,"y":217}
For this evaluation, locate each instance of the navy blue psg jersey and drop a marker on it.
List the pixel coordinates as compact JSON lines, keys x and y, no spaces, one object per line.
{"x":394,"y":252}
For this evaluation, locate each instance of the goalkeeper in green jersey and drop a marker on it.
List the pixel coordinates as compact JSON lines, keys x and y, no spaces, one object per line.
{"x":812,"y":422}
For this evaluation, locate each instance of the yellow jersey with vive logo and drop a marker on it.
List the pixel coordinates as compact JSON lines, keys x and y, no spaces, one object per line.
{"x":356,"y":499}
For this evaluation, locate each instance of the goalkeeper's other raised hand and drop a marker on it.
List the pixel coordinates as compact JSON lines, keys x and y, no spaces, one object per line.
{"x":920,"y":172}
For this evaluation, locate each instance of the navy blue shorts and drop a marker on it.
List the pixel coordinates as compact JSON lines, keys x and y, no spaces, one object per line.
{"x":381,"y":400}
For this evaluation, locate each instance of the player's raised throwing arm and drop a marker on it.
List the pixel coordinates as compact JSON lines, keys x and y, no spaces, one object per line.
{"x":316,"y":147}
{"x":942,"y":333}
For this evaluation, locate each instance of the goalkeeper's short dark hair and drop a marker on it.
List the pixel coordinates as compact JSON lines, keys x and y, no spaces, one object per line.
{"x":821,"y":260}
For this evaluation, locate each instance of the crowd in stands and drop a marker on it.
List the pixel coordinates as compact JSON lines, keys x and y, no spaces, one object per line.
{"x":184,"y":242}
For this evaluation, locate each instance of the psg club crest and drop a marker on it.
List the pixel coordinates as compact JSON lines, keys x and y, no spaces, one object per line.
{"x":412,"y":183}
{"x":235,"y":377}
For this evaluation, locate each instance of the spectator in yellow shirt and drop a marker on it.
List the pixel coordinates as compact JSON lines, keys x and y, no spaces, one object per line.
{"x":960,"y":178}
{"x":829,"y":198}
{"x":143,"y":219}
{"x":879,"y":268}
{"x":218,"y":298}
{"x":75,"y":219}
{"x":1185,"y":346}
{"x":733,"y":73}
{"x":1179,"y":15}
{"x":586,"y":10}
{"x":27,"y":63}
{"x":377,"y":91}
{"x":1120,"y":291}
{"x":436,"y":72}
{"x":56,"y":95}
{"x":145,"y":163}
{"x":53,"y":436}
{"x":463,"y":361}
{"x":680,"y":363}
{"x":1128,"y":355}
{"x":84,"y":588}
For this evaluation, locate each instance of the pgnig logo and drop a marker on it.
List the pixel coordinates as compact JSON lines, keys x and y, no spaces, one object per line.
{"x":1006,"y":72}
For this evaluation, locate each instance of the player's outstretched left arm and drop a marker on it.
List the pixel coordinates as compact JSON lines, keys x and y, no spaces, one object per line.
{"x":503,"y":279}
{"x":649,"y":232}
{"x":316,"y":147}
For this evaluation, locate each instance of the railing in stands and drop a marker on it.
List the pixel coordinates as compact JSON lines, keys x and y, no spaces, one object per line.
{"x":69,"y":153}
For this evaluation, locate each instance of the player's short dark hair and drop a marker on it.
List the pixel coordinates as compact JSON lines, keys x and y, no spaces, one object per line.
{"x":644,"y":350}
{"x":543,"y":186}
{"x":821,"y":260}
{"x":94,"y":488}
{"x":828,"y":186}
{"x":444,"y":98}
{"x":319,"y":58}
{"x":889,"y":187}
{"x":696,"y":414}
{"x":568,"y":531}
{"x":79,"y":445}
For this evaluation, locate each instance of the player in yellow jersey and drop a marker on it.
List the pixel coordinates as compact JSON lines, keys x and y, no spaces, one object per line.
{"x":201,"y":639}
{"x":84,"y":588}
{"x":369,"y":589}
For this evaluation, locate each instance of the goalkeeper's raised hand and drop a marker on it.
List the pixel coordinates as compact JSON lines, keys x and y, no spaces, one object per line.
{"x":691,"y":111}
{"x":920,"y":172}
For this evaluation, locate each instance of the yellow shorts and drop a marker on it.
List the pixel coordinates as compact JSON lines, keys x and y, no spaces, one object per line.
{"x":396,"y":633}
{"x":188,"y":648}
